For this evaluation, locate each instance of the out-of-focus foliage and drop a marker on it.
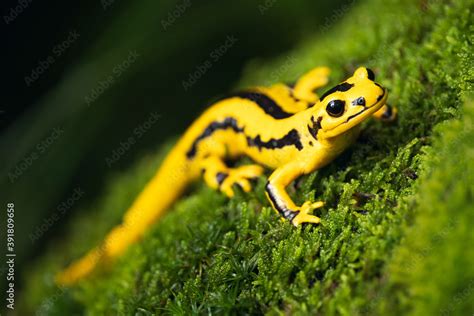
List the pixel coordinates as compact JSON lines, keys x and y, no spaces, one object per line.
{"x":433,"y":272}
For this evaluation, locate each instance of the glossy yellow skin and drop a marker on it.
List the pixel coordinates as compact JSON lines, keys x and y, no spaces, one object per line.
{"x":305,"y":139}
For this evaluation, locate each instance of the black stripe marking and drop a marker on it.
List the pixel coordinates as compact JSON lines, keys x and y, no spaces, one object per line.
{"x":229,"y":122}
{"x":290,"y":139}
{"x":267,"y":104}
{"x":279,"y":205}
{"x":340,"y":87}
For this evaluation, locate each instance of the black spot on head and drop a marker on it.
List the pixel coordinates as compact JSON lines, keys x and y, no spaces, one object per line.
{"x":370,"y":74}
{"x":340,"y":87}
{"x":315,"y":127}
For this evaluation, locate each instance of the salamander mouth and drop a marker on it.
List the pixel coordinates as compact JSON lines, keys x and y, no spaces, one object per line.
{"x":380,"y":98}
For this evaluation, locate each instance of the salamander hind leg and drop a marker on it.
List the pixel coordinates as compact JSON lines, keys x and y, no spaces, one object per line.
{"x":220,"y":177}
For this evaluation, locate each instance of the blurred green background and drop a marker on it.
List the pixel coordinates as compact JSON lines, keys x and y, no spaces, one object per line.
{"x":132,"y":58}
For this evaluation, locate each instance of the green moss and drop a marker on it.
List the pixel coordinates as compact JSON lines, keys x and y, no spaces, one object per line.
{"x":432,"y":271}
{"x":213,"y":255}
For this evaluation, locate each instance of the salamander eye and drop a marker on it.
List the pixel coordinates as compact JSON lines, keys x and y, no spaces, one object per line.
{"x":335,"y":108}
{"x":359,"y":101}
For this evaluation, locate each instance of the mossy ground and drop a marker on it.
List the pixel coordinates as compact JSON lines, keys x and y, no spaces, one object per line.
{"x":396,"y":234}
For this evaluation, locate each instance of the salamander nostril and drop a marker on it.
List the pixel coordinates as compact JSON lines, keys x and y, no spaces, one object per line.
{"x":359,"y":101}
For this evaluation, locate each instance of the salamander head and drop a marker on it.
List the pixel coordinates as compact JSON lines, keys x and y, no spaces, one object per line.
{"x":349,"y":103}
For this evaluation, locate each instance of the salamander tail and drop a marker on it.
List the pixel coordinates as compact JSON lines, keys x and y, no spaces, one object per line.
{"x":164,"y":188}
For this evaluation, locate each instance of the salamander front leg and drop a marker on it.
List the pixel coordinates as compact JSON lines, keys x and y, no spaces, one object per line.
{"x":386,"y":113}
{"x":282,"y":202}
{"x":220,"y":177}
{"x":305,"y":86}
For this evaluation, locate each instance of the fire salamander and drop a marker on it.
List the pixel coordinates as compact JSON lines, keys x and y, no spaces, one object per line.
{"x":287,"y":129}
